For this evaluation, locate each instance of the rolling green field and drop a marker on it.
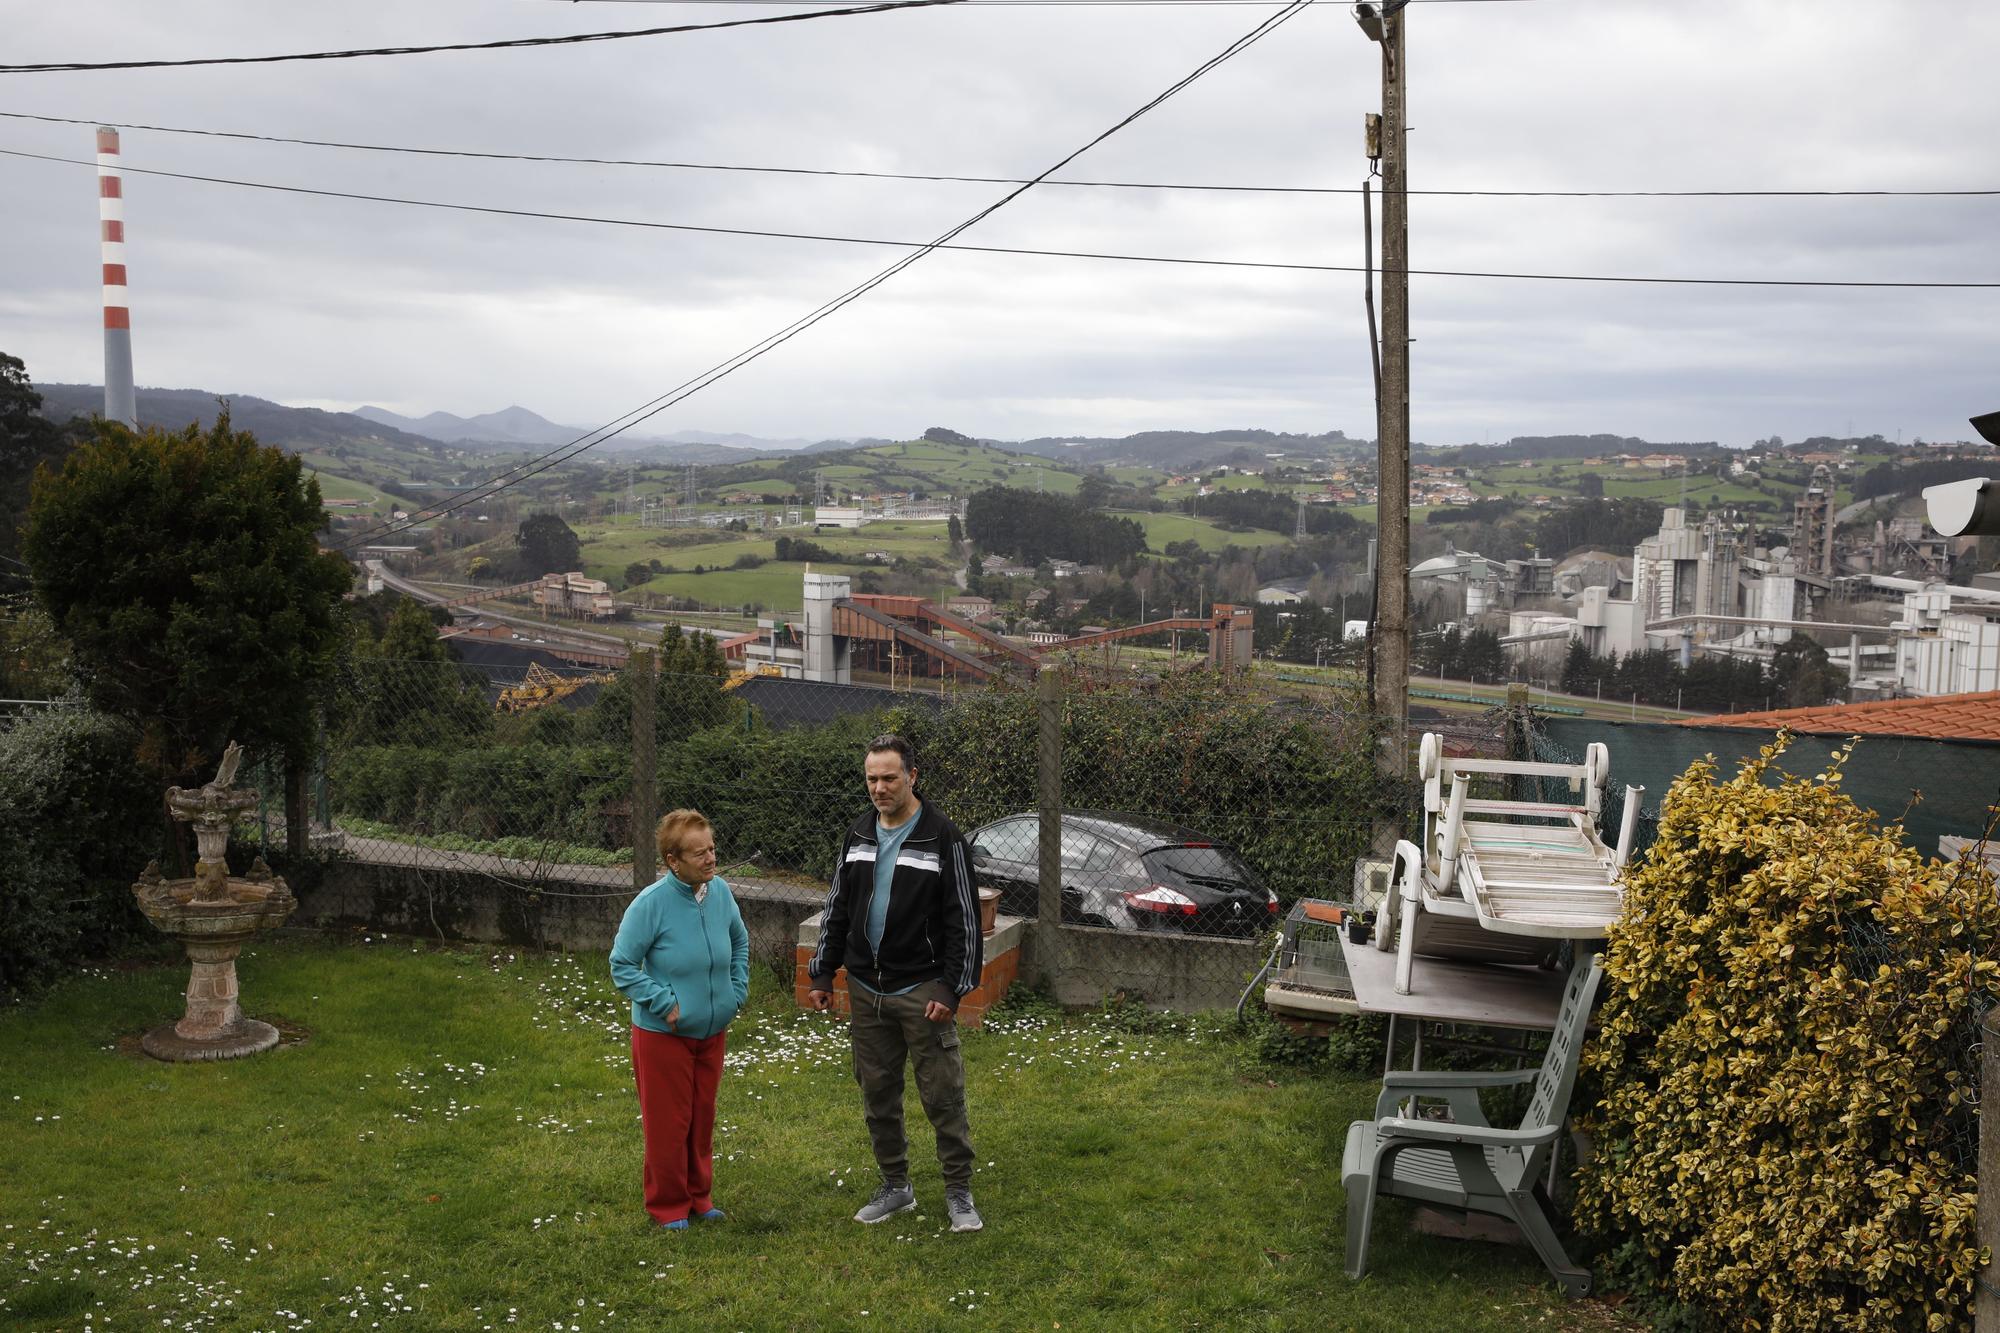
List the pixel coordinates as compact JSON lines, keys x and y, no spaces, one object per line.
{"x":610,"y":545}
{"x":1234,"y":481}
{"x":333,"y":486}
{"x":774,"y":587}
{"x":1561,"y":477}
{"x":1671,"y":490}
{"x":1164,"y":528}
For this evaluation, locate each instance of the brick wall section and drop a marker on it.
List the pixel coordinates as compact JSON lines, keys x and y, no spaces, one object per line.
{"x":1002,"y":968}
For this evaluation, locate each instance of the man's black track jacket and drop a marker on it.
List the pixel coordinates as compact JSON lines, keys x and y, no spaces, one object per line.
{"x":931,"y":934}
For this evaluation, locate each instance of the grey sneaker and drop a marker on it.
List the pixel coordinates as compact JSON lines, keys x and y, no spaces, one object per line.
{"x":964,"y":1217}
{"x":888,"y":1201}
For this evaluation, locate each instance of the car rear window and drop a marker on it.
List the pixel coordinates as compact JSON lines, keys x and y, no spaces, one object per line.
{"x":1210,"y":866}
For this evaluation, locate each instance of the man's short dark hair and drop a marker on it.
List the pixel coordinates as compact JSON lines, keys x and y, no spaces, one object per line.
{"x":890,"y":742}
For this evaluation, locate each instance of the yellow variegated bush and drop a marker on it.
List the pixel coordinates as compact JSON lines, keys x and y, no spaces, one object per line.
{"x":1784,"y":1071}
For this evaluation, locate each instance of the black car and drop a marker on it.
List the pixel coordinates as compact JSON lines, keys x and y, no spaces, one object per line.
{"x":1126,"y":872}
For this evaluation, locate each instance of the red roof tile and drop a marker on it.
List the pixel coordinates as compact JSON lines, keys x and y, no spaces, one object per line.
{"x":1945,"y":717}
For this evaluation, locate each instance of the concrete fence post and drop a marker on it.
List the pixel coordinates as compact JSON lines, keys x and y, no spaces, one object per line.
{"x":297,"y":816}
{"x":1050,"y":953}
{"x":1986,"y":1293}
{"x":645,"y":790}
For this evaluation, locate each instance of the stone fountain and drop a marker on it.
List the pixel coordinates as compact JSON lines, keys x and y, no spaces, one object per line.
{"x":213,"y":914}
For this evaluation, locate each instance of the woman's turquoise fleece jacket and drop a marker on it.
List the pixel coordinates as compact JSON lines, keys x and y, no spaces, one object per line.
{"x":673,"y":950}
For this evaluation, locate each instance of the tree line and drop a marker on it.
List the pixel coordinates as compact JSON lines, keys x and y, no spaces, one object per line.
{"x":1908,"y":478}
{"x":1799,"y":676}
{"x":1031,"y":526}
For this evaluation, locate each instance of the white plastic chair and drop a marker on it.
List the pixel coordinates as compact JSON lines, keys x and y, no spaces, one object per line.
{"x":1502,"y":880}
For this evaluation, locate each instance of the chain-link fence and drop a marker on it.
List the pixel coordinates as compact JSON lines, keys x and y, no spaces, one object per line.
{"x":1564,"y":741}
{"x":523,"y":774}
{"x":1188,"y":813}
{"x":1933,"y":788}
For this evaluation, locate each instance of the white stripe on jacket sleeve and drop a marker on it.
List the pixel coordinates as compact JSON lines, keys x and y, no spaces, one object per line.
{"x":968,"y":899}
{"x":826,"y":918}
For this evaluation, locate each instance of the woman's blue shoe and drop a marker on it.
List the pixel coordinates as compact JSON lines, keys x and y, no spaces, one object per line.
{"x":712,"y":1215}
{"x":678,"y":1224}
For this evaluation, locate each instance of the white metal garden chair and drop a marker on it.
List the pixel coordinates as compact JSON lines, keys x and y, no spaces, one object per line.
{"x":1464,"y":1163}
{"x":1503,"y":880}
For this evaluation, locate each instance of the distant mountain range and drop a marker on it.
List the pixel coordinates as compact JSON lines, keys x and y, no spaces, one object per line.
{"x":305,"y":429}
{"x":520,"y":428}
{"x":299,"y":429}
{"x":513,"y":429}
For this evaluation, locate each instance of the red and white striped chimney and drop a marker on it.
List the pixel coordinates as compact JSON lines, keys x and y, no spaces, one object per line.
{"x":120,"y":399}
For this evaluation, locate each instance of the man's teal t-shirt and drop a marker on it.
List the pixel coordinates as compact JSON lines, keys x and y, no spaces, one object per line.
{"x":888,"y":842}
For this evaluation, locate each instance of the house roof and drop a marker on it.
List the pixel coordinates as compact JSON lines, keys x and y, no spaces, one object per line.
{"x":1944,"y":717}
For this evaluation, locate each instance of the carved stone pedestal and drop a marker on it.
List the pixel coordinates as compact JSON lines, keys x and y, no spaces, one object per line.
{"x":213,"y":1028}
{"x":213,"y":914}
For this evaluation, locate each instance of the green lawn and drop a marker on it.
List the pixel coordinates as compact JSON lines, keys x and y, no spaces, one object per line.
{"x":450,"y":1142}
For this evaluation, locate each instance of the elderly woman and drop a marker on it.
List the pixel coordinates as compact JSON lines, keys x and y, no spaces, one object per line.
{"x":682,"y":957}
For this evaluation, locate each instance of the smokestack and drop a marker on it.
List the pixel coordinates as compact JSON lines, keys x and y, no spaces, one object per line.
{"x":120,"y":400}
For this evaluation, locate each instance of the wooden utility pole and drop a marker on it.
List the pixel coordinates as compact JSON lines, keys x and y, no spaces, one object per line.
{"x":1392,"y":454}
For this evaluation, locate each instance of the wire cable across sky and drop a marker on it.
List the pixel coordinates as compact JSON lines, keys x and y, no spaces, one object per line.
{"x":927,"y":246}
{"x":506,"y":44}
{"x":688,"y":388}
{"x":477,"y":154}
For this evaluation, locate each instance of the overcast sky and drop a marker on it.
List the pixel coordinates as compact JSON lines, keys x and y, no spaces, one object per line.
{"x":337,"y":303}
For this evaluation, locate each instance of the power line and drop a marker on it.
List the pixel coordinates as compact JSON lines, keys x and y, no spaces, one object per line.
{"x":688,"y":388}
{"x":569,"y":39}
{"x":927,"y":246}
{"x":986,"y":180}
{"x":1053,"y":4}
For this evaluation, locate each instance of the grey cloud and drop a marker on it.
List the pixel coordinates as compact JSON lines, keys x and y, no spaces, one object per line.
{"x":347,"y":302}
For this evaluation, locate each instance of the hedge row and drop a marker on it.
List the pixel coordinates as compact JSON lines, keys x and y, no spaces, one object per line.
{"x":1290,"y":786}
{"x":562,"y":793}
{"x":77,"y":825}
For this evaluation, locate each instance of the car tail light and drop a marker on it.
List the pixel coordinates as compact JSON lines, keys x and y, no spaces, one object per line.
{"x":1160,"y":898}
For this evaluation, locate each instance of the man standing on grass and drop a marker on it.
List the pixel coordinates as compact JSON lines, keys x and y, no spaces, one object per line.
{"x":903,"y":916}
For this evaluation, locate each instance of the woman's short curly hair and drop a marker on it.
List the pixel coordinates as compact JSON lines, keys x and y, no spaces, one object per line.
{"x":674,"y":826}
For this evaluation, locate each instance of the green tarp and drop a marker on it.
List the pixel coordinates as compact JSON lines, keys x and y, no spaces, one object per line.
{"x":1931,"y":787}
